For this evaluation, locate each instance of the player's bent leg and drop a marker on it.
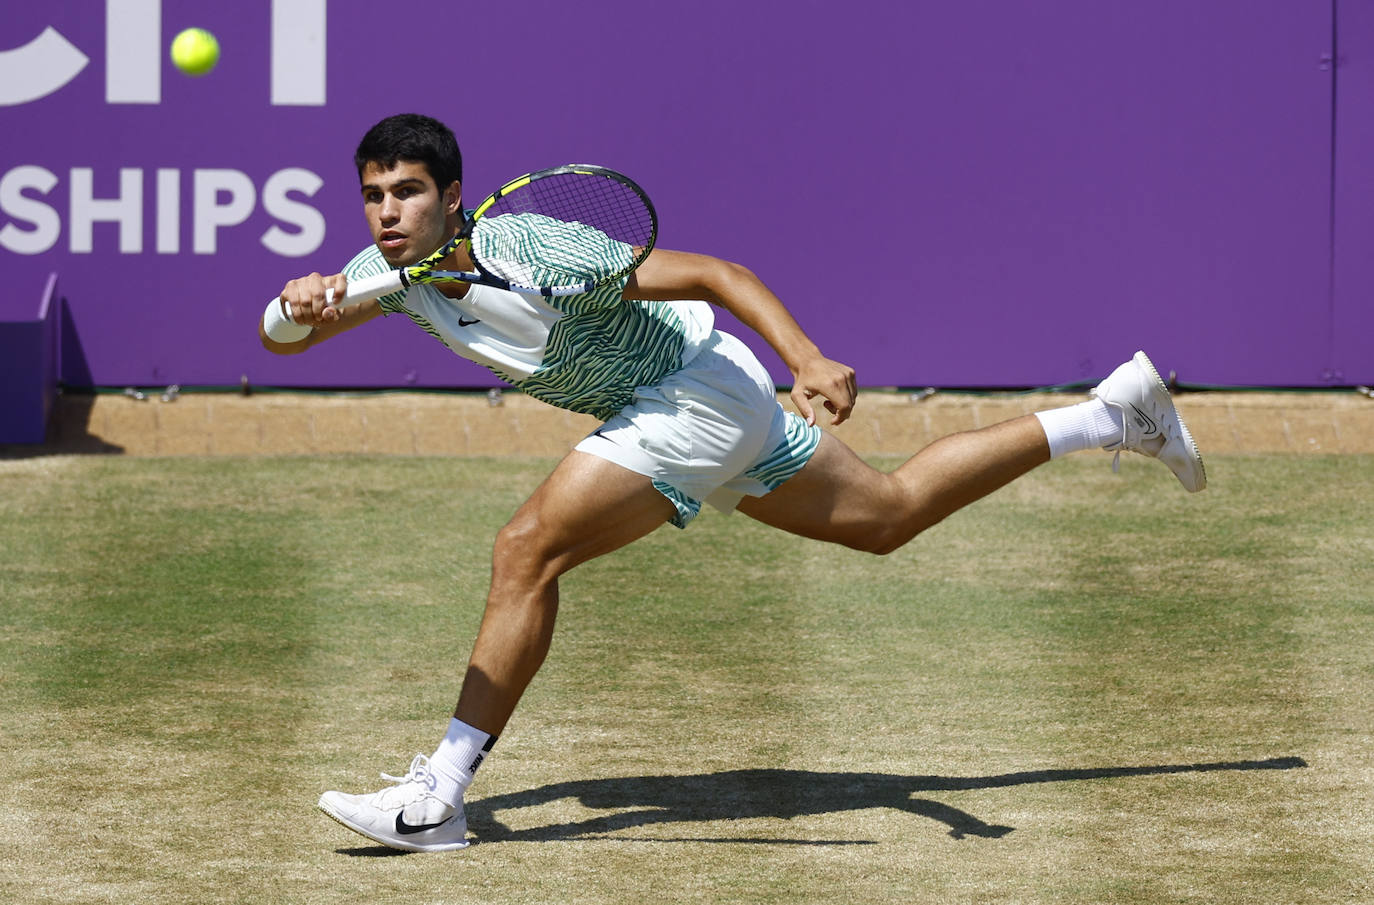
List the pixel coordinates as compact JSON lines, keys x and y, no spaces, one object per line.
{"x":586,"y":508}
{"x":838,"y":497}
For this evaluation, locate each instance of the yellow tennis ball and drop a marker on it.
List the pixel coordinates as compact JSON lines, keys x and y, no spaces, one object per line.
{"x":195,"y":51}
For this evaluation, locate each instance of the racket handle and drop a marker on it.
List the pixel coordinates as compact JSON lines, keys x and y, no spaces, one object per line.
{"x":365,"y":288}
{"x":279,"y":327}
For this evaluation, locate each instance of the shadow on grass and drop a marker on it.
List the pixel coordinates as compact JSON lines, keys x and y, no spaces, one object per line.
{"x":643,"y":801}
{"x":68,"y":432}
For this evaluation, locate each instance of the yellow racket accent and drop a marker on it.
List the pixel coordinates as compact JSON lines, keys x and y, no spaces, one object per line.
{"x":420,"y":270}
{"x":503,"y":190}
{"x":610,"y":206}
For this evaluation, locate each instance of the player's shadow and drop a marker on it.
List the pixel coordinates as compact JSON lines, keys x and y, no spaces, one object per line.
{"x":705,"y":798}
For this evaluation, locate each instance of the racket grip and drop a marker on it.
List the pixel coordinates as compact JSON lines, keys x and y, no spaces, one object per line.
{"x":278,"y":325}
{"x":365,"y":288}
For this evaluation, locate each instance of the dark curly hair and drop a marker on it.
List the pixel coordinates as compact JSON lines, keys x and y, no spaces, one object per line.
{"x":412,"y":137}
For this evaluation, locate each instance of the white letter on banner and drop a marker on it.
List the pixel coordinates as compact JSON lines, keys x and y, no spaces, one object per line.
{"x":209,"y":214}
{"x":168,"y":211}
{"x":38,"y":68}
{"x":133,"y":52}
{"x":47,"y":225}
{"x":308,"y":220}
{"x":298,"y":67}
{"x":126,"y":210}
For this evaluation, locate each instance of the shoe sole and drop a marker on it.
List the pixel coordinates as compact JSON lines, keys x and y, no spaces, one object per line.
{"x":1148,"y":367}
{"x":389,"y":843}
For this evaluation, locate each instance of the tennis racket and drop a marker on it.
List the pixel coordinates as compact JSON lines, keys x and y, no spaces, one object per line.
{"x":561,"y":231}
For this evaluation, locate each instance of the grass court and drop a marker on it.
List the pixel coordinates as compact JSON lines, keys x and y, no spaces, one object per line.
{"x":1087,"y":688}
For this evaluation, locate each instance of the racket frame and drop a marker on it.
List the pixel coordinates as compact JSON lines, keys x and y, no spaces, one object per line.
{"x":424,"y":271}
{"x":363,"y":289}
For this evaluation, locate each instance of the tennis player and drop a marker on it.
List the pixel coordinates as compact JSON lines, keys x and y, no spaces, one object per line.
{"x":690,"y":416}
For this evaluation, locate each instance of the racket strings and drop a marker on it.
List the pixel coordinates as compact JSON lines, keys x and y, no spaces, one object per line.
{"x":603,"y":203}
{"x":564,"y":231}
{"x":607,"y":205}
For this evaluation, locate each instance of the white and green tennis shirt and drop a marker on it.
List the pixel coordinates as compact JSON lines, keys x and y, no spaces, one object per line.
{"x":585,"y":353}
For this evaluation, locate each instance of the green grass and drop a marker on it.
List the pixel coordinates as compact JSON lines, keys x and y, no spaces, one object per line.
{"x":1087,"y":688}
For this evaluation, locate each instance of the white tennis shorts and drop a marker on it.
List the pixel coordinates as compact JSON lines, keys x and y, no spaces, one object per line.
{"x":711,"y":431}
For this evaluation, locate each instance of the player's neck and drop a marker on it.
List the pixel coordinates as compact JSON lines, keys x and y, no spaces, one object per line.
{"x":459,"y":260}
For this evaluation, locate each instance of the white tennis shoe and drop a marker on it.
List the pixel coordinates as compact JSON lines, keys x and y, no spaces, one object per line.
{"x":1152,"y":425}
{"x":405,"y":816}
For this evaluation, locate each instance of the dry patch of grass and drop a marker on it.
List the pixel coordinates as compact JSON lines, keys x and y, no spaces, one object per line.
{"x":1087,"y":688}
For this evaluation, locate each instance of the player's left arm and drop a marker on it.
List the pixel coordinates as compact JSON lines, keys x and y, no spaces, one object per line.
{"x":670,"y":275}
{"x":306,"y":299}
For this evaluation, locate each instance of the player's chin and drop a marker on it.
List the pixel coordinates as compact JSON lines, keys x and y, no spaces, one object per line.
{"x":397,"y":257}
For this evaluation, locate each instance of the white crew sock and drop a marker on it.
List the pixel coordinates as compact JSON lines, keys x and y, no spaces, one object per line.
{"x":1087,"y":425}
{"x":457,"y":759}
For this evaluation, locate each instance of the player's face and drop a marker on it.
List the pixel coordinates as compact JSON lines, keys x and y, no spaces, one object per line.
{"x":408,"y":215}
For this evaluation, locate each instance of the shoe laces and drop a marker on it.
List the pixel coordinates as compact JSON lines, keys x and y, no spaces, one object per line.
{"x":1133,"y":434}
{"x":418,"y":773}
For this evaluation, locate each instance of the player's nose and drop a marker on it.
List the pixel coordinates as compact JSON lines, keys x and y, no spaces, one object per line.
{"x":389,"y":210}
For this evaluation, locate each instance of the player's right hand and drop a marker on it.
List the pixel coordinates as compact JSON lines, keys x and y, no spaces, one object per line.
{"x":832,"y":381}
{"x":307,"y":298}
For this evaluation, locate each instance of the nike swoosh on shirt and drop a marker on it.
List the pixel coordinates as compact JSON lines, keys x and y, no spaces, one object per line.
{"x":464,"y":322}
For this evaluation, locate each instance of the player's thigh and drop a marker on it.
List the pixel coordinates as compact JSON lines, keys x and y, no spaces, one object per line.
{"x":586,"y":507}
{"x":835,"y":497}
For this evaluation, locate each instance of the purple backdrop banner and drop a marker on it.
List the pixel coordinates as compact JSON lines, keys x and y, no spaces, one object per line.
{"x":1352,"y":312}
{"x":968,"y":193}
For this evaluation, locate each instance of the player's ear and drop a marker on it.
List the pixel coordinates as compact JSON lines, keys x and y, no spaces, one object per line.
{"x":453,"y":197}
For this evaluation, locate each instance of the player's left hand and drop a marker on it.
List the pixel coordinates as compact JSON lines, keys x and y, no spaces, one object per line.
{"x":307,"y":301}
{"x":832,"y":381}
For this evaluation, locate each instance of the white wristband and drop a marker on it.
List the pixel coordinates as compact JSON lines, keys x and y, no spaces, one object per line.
{"x":279,"y":328}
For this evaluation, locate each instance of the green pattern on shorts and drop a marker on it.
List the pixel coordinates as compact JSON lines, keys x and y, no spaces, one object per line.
{"x":781,"y":463}
{"x":788,"y":457}
{"x":687,"y":508}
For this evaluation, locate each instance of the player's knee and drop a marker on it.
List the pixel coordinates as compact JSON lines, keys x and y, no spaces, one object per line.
{"x":519,"y":549}
{"x":529,"y":549}
{"x":882,"y":540}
